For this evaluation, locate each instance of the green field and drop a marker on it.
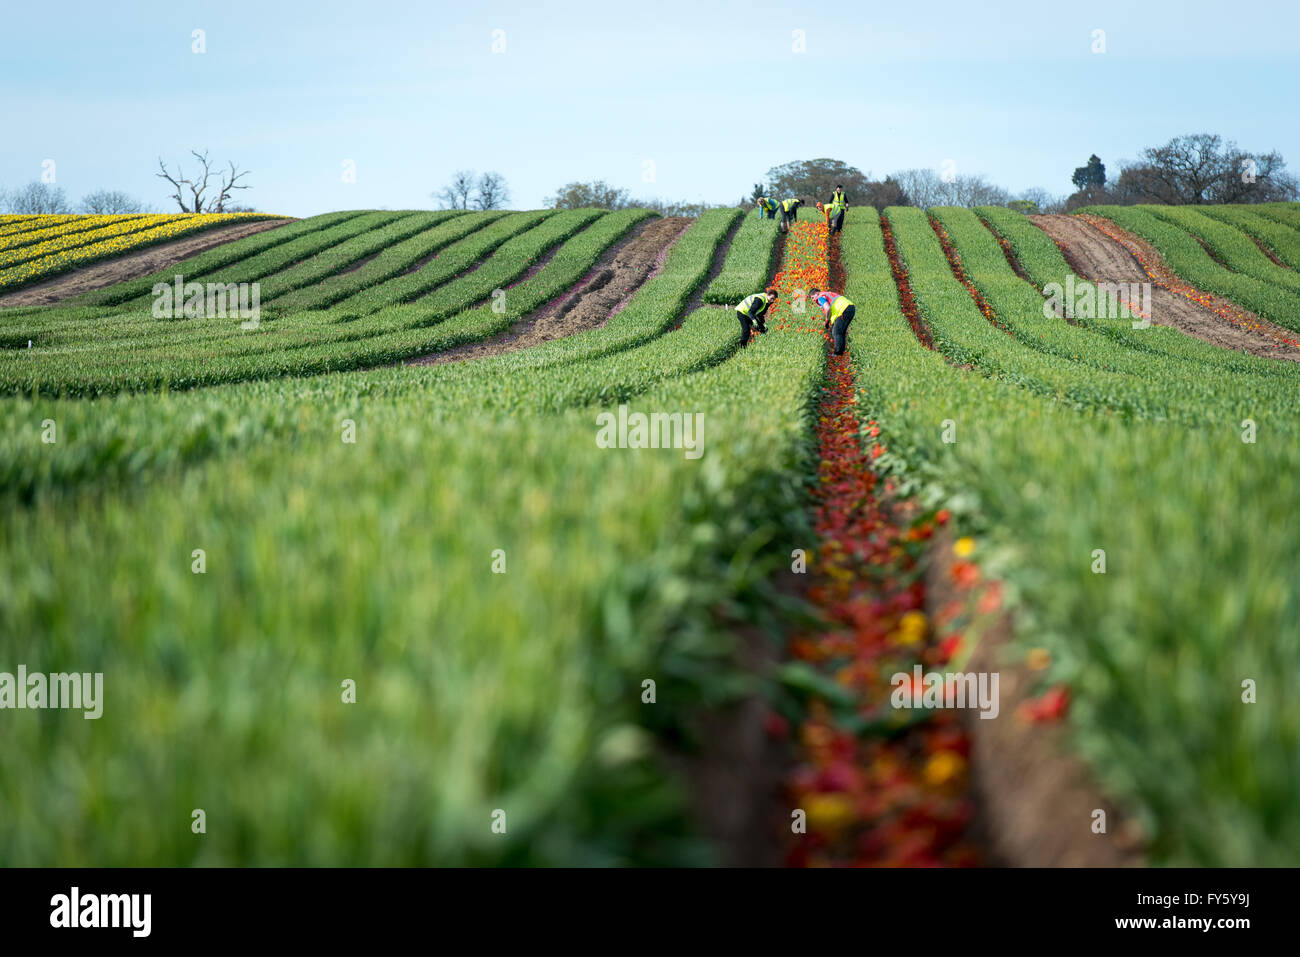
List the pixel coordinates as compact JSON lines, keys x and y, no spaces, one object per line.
{"x":238,"y":526}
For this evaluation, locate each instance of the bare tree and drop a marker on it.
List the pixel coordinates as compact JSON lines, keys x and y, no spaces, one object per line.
{"x":976,"y":191}
{"x":922,"y":186}
{"x":1268,"y":180}
{"x":926,"y":188}
{"x":1187,"y":167}
{"x":1038,"y":200}
{"x":198,"y":186}
{"x":1041,"y":200}
{"x":456,"y":194}
{"x":110,"y":201}
{"x":1200,"y":168}
{"x":493,"y":193}
{"x":36,"y":197}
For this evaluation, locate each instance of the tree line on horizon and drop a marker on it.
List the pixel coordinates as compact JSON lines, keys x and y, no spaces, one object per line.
{"x":1197,"y":168}
{"x":1193,"y":169}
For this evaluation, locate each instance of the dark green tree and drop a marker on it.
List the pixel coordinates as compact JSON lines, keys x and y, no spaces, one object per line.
{"x":1093,"y":174}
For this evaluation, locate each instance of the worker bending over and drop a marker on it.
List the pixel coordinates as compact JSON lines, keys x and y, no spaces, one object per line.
{"x":788,"y":207}
{"x":752,"y":312}
{"x":766,"y":208}
{"x":839,"y":310}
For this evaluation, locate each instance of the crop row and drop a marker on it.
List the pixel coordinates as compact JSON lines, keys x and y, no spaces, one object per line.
{"x":1282,"y":240}
{"x":455,"y":261}
{"x":330,"y":261}
{"x":108,"y":365}
{"x":1020,"y":306}
{"x":214,"y":259}
{"x":654,"y":309}
{"x":20,"y":246}
{"x":20,"y":223}
{"x":1285,"y":213}
{"x":115,"y":439}
{"x":1067,"y":363}
{"x":1229,"y":244}
{"x":748,"y":264}
{"x":391,"y":261}
{"x":129,"y":328}
{"x":1186,"y":257}
{"x":311,"y":342}
{"x":518,"y":690}
{"x":246,"y":264}
{"x":114,"y":326}
{"x":52,"y":257}
{"x":1190,"y":519}
{"x":90,"y":229}
{"x":1043,"y":263}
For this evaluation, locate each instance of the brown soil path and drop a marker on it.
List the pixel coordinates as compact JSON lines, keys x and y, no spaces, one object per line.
{"x":589,"y":304}
{"x":1100,"y":257}
{"x":98,"y":275}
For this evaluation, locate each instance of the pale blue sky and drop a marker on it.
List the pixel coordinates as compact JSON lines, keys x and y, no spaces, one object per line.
{"x":412,"y":91}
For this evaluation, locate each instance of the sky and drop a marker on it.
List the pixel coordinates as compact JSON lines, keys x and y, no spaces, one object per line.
{"x":685,"y":101}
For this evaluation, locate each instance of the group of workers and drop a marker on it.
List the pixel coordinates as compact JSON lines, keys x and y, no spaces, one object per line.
{"x":768,"y":208}
{"x":833,"y":209}
{"x":836,"y":307}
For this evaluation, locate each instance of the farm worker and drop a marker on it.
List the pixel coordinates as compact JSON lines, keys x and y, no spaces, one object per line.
{"x":752,"y":311}
{"x":839,"y":310}
{"x":788,"y":207}
{"x":766,"y":208}
{"x":834,"y":210}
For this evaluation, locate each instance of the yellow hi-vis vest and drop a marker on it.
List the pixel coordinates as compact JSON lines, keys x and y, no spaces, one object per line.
{"x":839,"y":305}
{"x":749,"y":302}
{"x":837,"y":205}
{"x":786,"y":204}
{"x":837,"y":199}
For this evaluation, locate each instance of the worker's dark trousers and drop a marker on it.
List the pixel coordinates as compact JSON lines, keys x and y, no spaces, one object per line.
{"x":746,"y":325}
{"x":837,"y":222}
{"x":840,"y":331}
{"x":786,"y":219}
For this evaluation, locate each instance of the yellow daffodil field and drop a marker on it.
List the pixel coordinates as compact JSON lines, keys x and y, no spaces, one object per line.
{"x":33,"y":248}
